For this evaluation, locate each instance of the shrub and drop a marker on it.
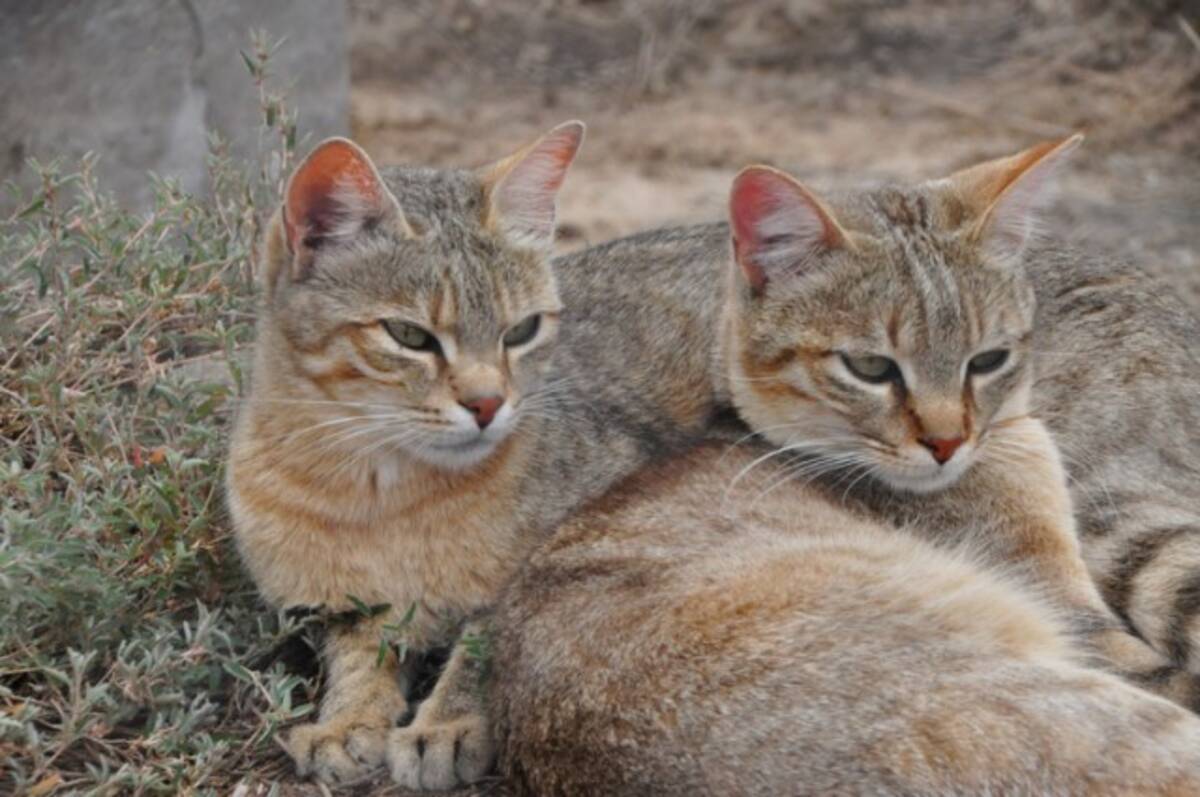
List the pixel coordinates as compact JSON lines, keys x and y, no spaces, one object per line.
{"x":134,"y":655}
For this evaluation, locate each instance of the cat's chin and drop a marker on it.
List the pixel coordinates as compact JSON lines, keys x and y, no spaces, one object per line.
{"x":457,"y":456}
{"x":927,"y":481}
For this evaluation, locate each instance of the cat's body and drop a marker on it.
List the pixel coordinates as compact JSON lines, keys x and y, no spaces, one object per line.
{"x":340,"y":494}
{"x":888,"y":344}
{"x":679,"y":637}
{"x":1119,"y":386}
{"x":1117,"y":382}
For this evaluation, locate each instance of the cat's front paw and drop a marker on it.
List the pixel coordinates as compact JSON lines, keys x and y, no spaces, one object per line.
{"x":441,"y":755}
{"x":340,"y":750}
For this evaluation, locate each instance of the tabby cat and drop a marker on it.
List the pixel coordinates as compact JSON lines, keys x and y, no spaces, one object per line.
{"x":419,"y":415}
{"x":665,"y":638}
{"x":684,"y":638}
{"x":1111,"y":369}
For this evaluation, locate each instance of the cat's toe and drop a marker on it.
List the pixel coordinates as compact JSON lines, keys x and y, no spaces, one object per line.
{"x":440,"y":756}
{"x":336,"y":752}
{"x":367,"y":745}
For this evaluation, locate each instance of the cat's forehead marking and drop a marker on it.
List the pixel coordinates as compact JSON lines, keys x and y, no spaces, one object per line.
{"x":902,"y":210}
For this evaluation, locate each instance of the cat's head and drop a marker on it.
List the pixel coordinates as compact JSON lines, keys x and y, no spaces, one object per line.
{"x":888,"y":331}
{"x":419,"y":304}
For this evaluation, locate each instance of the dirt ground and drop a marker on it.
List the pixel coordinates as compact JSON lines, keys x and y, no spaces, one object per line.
{"x":678,"y":95}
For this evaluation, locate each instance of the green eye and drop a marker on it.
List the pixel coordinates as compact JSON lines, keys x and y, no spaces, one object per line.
{"x":522,"y":332}
{"x":872,"y":368}
{"x":988,"y":361}
{"x":411,"y":336}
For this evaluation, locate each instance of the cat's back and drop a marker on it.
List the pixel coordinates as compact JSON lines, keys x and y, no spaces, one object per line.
{"x":635,"y":370}
{"x":682,"y":637}
{"x":1118,"y":376}
{"x":641,"y":320}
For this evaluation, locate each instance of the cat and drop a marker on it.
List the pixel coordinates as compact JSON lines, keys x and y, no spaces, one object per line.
{"x":422,"y":410}
{"x":1112,"y":372}
{"x":890,"y":335}
{"x":681,"y":637}
{"x":1105,"y":360}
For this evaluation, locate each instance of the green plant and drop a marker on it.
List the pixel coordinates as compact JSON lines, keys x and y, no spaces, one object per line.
{"x":135,"y":657}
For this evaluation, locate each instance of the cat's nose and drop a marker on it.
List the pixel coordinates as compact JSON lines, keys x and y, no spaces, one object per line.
{"x":484,"y":409}
{"x":942,"y":450}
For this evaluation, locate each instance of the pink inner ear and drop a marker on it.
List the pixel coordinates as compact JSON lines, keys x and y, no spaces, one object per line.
{"x":753,"y":199}
{"x":550,"y":161}
{"x":776,"y":225}
{"x":750,"y":201}
{"x":319,"y":190}
{"x":523,"y":199}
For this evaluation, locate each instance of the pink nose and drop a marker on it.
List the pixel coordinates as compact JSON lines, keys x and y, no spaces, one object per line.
{"x":942,"y":450}
{"x":484,"y":409}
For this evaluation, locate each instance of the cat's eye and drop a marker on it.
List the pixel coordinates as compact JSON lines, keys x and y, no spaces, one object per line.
{"x":873,"y":368}
{"x":523,"y":331}
{"x":411,"y":336}
{"x":988,"y":361}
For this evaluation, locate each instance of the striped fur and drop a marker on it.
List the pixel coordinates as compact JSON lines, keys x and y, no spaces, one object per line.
{"x":682,"y":636}
{"x":570,"y":713}
{"x":336,"y":484}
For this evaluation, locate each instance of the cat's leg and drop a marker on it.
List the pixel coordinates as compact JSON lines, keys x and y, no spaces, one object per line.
{"x":1033,"y":527}
{"x":449,"y":742}
{"x":364,"y":699}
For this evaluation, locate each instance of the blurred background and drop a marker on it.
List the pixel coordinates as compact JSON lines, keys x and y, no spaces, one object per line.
{"x":677,"y":94}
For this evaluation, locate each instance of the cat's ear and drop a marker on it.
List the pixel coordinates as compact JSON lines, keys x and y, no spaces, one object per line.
{"x":520,"y":190}
{"x":778,"y":225}
{"x":332,"y":196}
{"x":1004,"y":197}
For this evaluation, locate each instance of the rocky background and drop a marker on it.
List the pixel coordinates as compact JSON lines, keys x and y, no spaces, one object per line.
{"x":142,"y":83}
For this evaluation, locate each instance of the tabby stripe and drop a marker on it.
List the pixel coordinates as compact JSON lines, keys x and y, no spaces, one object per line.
{"x":1159,"y":676}
{"x":1159,"y":680}
{"x":1187,"y":604}
{"x":1143,"y":550}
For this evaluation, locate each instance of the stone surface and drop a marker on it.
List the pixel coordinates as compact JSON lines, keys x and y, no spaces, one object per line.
{"x":140,"y":82}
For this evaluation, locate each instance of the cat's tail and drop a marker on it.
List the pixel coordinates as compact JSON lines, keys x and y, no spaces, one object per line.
{"x":1152,"y":582}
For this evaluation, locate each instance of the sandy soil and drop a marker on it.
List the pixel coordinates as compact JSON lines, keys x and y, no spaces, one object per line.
{"x":679,"y":95}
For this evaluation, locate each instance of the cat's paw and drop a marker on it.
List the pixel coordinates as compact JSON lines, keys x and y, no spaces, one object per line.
{"x":441,"y":755}
{"x":341,"y":750}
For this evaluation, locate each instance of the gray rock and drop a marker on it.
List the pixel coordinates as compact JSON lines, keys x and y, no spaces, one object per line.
{"x":140,"y":82}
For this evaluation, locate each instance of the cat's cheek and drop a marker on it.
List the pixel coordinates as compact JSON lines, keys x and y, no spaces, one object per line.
{"x":528,"y":369}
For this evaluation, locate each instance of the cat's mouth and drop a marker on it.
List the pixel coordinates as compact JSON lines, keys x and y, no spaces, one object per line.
{"x":465,"y":448}
{"x":924,"y":478}
{"x":458,"y":454}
